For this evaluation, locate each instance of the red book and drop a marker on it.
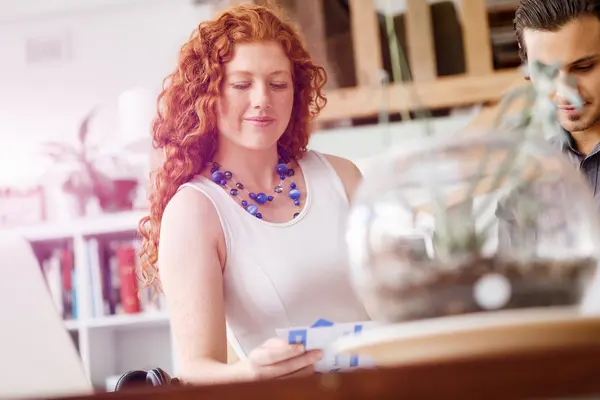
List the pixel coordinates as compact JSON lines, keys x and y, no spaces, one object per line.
{"x":67,"y":264}
{"x":129,"y":288}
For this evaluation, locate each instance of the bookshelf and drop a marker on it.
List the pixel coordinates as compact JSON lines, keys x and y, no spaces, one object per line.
{"x":111,"y":338}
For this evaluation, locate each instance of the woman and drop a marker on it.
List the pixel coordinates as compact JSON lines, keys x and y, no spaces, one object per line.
{"x":245,"y":223}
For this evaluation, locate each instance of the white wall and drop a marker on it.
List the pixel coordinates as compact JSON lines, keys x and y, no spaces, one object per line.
{"x":17,"y":10}
{"x":107,"y":50}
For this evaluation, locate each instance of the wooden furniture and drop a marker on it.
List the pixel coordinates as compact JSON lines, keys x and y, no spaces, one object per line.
{"x":480,"y":84}
{"x":478,"y":335}
{"x":567,"y":373}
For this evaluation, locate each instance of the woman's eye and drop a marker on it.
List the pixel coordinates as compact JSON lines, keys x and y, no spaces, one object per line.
{"x":240,"y":86}
{"x":279,"y":86}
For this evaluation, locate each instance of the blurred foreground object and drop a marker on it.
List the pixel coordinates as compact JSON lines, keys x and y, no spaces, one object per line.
{"x":39,"y":358}
{"x":495,"y":221}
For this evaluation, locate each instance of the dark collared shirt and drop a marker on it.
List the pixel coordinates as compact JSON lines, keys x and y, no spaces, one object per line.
{"x":588,"y":165}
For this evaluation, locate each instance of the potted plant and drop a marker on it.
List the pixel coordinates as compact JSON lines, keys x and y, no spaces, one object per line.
{"x":84,"y":179}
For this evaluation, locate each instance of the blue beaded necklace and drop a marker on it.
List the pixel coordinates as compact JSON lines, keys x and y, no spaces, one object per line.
{"x":255,"y":200}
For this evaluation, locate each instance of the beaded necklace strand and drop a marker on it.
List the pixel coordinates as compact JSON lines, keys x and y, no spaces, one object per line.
{"x":253,"y":200}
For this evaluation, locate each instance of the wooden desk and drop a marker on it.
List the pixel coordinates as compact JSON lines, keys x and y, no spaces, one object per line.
{"x":568,"y":373}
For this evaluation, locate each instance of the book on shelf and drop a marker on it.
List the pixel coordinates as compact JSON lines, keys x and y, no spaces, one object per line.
{"x":59,"y":271}
{"x":115,"y":286}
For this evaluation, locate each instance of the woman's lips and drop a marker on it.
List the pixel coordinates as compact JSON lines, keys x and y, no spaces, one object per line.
{"x":260,"y":121}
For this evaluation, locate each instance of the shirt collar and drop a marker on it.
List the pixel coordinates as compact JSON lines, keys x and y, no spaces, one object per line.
{"x":567,"y":144}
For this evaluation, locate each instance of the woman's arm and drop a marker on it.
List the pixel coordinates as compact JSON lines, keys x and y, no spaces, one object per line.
{"x":191,"y":259}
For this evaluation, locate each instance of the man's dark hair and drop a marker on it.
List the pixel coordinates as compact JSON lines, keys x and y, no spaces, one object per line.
{"x":550,"y":15}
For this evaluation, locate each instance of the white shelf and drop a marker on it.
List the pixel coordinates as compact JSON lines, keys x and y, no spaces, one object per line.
{"x":142,"y":320}
{"x":72,"y":325}
{"x":121,"y":321}
{"x":110,"y":223}
{"x":104,"y":224}
{"x":45,"y":232}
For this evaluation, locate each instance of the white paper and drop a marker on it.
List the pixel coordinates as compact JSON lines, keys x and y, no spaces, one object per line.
{"x":321,"y":337}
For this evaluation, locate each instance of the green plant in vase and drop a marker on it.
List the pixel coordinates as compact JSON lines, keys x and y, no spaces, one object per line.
{"x":493,"y":211}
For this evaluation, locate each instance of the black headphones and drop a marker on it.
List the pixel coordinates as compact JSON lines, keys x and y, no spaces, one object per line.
{"x":138,"y":378}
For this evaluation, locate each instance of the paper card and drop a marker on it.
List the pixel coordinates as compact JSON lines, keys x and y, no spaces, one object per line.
{"x":320,"y":336}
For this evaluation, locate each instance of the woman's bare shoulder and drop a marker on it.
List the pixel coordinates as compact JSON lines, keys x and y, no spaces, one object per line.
{"x":189,"y":203}
{"x":348,"y":172}
{"x":190,"y":213}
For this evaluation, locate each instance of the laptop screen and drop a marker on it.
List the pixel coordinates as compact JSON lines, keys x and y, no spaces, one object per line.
{"x":39,"y":358}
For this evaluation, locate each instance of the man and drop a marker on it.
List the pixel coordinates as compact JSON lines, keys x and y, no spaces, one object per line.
{"x":568,"y":32}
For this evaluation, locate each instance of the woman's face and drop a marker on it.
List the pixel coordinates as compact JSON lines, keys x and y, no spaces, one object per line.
{"x":257,"y":96}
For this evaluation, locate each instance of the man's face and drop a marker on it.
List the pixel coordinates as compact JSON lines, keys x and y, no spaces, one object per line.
{"x":576,"y":48}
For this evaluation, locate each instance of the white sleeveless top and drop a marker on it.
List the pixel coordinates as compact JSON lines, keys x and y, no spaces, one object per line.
{"x":280,"y":275}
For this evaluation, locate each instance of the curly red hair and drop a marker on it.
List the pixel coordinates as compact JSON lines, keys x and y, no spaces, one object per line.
{"x":186,"y":127}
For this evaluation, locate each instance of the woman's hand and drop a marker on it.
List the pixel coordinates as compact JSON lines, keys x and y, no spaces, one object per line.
{"x":276,"y":359}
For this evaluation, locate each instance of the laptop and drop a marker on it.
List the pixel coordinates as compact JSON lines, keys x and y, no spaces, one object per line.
{"x":38,"y":356}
